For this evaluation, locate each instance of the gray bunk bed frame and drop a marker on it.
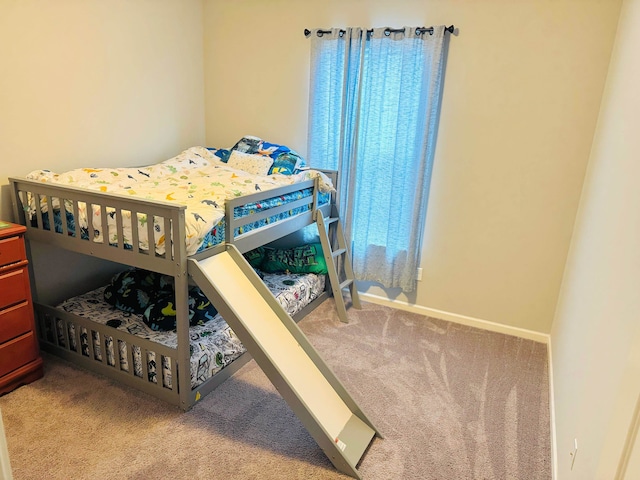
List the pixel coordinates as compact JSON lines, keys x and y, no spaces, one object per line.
{"x":173,"y":262}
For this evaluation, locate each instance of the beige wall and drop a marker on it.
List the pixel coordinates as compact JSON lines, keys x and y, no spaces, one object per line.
{"x":97,"y":83}
{"x":523,"y":85}
{"x":596,"y":332}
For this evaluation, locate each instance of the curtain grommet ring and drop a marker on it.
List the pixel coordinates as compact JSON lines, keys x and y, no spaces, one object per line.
{"x":387,"y":32}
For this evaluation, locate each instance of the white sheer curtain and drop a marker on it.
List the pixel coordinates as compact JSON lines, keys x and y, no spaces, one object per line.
{"x":373,"y":114}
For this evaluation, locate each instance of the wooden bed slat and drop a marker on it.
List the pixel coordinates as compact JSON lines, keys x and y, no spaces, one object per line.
{"x":90,"y":351}
{"x":150,"y":235}
{"x":119,"y":213}
{"x":130,"y":366}
{"x":104,"y":226}
{"x":63,"y":217}
{"x":100,"y":347}
{"x":168,"y":246}
{"x":144,"y":361}
{"x":52,"y":224}
{"x":135,"y":238}
{"x":56,"y":335}
{"x":76,"y":334}
{"x":40,"y":222}
{"x":76,"y":215}
{"x":90,"y":227}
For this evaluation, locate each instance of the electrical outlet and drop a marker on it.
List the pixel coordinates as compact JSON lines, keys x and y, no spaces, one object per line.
{"x":574,"y":452}
{"x":419,"y":274}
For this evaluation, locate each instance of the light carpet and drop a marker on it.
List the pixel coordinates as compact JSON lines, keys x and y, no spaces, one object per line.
{"x":453,"y":402}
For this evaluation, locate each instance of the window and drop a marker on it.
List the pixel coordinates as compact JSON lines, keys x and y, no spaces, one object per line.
{"x":374,"y":103}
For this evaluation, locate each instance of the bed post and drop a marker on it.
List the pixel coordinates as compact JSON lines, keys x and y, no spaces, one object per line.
{"x":183,"y":368}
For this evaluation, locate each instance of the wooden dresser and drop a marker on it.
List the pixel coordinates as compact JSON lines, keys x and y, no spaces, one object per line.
{"x":20,"y":361}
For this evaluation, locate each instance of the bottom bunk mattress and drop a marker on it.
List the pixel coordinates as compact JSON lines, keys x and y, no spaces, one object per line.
{"x":213,"y":345}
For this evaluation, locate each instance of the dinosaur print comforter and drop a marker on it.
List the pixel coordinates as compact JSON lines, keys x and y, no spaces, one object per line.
{"x":196,"y":178}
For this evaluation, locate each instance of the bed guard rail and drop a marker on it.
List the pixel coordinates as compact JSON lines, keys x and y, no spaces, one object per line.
{"x":307,"y":206}
{"x":93,"y":223}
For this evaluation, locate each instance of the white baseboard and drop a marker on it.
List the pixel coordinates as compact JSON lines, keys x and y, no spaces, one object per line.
{"x":456,"y":318}
{"x":552,"y":418}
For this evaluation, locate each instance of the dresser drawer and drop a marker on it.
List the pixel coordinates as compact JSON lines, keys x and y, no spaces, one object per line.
{"x":15,"y":321}
{"x":11,"y":250}
{"x":17,"y":352}
{"x":14,"y":287}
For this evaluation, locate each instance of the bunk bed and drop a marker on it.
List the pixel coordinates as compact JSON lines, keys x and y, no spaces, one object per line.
{"x":209,"y":199}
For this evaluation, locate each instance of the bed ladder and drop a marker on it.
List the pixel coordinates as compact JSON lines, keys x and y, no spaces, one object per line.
{"x":285,"y":355}
{"x":336,"y":255}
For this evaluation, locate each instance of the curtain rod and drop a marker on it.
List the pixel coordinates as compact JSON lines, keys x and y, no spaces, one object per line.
{"x":387,"y":31}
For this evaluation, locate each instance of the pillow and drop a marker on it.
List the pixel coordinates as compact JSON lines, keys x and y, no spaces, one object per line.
{"x":134,"y":290}
{"x":274,"y":150}
{"x":161,"y":314}
{"x":255,"y":257}
{"x":303,"y":259}
{"x":250,"y":163}
{"x":248,"y":144}
{"x":152,"y":295}
{"x":286,"y":164}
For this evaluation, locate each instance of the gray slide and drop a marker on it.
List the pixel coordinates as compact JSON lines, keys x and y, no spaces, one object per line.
{"x":285,"y":355}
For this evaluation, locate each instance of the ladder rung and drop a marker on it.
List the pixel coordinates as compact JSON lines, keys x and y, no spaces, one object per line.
{"x":338,"y":252}
{"x":346,"y":283}
{"x":328,"y":238}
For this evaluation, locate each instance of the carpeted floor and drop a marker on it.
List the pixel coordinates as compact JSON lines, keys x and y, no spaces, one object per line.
{"x":453,"y":402}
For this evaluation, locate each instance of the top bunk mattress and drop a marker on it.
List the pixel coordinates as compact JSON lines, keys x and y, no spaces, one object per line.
{"x":197,"y":179}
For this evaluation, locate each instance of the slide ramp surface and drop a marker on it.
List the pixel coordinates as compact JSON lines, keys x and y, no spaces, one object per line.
{"x":285,"y":355}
